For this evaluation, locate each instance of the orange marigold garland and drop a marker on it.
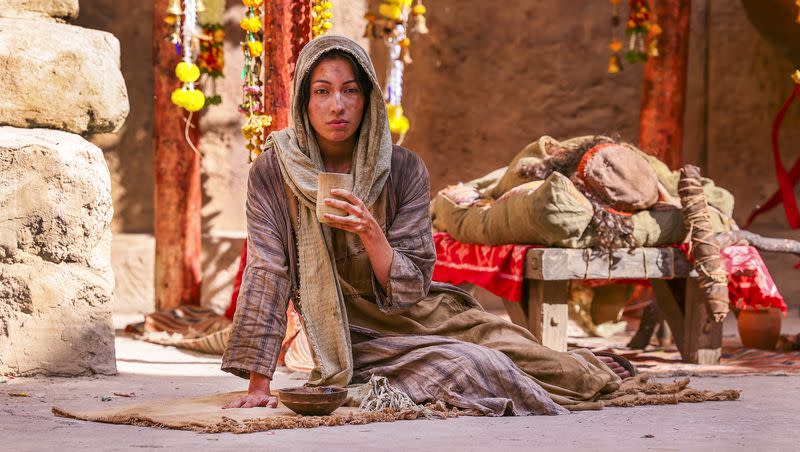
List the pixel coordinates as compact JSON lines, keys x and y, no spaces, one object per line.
{"x":642,"y":31}
{"x":638,"y":29}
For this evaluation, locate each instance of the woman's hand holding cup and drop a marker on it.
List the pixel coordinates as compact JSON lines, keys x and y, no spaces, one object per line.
{"x":358,"y":218}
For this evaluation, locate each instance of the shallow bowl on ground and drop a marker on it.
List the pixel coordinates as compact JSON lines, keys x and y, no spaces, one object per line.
{"x":307,"y":401}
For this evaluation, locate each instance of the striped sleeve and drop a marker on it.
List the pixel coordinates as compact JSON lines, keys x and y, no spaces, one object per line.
{"x":410,"y":236}
{"x":259,"y":324}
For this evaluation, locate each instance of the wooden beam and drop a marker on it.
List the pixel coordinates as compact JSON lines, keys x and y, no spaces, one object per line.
{"x":177,"y":176}
{"x":550,"y":264}
{"x":664,"y":94}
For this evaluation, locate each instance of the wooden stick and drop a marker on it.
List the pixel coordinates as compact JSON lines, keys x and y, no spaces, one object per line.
{"x":759,"y":242}
{"x":713,"y":279}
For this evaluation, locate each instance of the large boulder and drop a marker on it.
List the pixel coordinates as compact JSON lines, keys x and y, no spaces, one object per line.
{"x":56,"y":282}
{"x":55,"y":198}
{"x":55,"y":319}
{"x":60,"y":76}
{"x":56,"y":9}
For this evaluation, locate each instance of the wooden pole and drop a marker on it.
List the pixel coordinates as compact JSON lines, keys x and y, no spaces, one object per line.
{"x":177,"y":172}
{"x":279,"y":34}
{"x":664,"y":96}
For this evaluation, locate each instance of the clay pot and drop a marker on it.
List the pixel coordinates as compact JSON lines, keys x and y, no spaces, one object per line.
{"x":760,"y":328}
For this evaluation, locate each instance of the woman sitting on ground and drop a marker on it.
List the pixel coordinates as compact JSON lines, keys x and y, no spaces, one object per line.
{"x":362,"y":282}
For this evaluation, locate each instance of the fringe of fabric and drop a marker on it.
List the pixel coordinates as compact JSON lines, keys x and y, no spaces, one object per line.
{"x":229,"y":425}
{"x":641,"y":390}
{"x":383,"y":397}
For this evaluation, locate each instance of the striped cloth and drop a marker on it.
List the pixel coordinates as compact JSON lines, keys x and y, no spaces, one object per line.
{"x":203,"y":330}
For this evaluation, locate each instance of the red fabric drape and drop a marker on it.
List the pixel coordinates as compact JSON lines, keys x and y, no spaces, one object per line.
{"x":237,"y":283}
{"x":786,"y":180}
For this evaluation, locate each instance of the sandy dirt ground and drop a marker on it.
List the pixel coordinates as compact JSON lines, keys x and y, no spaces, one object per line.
{"x":764,"y":418}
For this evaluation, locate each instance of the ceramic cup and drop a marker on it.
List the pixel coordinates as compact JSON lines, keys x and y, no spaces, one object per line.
{"x":325,"y":183}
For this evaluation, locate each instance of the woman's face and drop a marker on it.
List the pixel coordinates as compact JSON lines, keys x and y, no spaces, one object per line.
{"x":336,"y":102}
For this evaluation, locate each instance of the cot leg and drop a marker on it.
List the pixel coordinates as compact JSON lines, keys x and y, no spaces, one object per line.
{"x":548,"y":313}
{"x":681,"y":302}
{"x":702,"y":339}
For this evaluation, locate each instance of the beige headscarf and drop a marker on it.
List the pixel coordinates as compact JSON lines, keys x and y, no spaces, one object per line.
{"x":324,"y":313}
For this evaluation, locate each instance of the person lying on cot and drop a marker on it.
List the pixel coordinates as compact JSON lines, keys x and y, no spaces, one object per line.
{"x":362,"y":279}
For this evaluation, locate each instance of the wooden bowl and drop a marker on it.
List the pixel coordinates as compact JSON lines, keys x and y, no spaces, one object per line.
{"x":308,"y":401}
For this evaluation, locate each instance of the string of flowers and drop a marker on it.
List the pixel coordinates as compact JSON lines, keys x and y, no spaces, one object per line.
{"x":187,"y":96}
{"x":395,"y":20}
{"x":211,"y":58}
{"x":614,"y":63}
{"x":321,"y":18}
{"x":642,"y":31}
{"x":640,"y":26}
{"x":252,"y":106}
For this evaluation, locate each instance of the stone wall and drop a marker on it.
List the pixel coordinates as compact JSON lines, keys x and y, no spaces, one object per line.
{"x":56,"y":279}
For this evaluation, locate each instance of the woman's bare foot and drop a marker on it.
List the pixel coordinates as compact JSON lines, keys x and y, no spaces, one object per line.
{"x":614,"y":366}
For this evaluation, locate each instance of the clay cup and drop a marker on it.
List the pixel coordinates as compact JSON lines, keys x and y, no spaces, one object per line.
{"x":325,"y":183}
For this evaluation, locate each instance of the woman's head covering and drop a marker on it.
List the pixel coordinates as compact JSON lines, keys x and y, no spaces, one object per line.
{"x":321,"y":301}
{"x":373,"y":151}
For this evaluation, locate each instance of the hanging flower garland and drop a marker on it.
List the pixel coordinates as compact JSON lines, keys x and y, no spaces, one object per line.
{"x":642,"y":31}
{"x":252,"y":106}
{"x":614,"y":63}
{"x":637,"y":27}
{"x":188,"y":96}
{"x":211,"y":58}
{"x":395,"y":20}
{"x":321,"y":18}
